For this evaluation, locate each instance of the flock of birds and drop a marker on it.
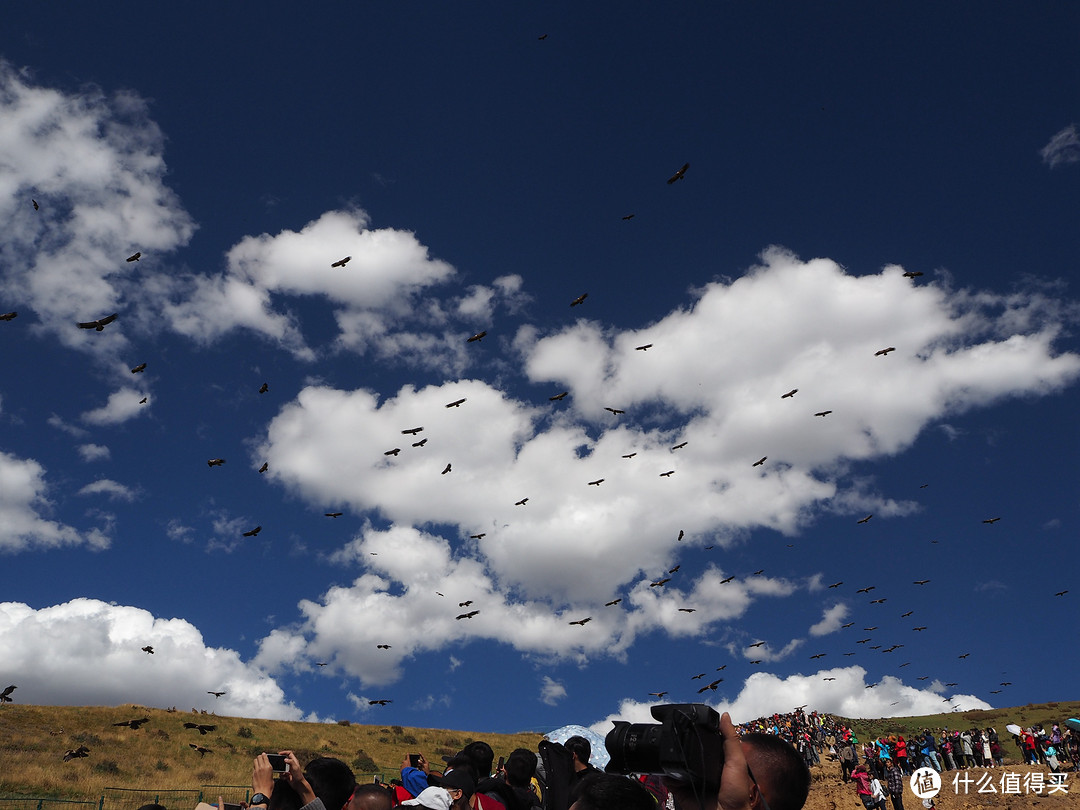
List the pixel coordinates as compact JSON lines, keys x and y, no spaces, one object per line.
{"x":99,"y":325}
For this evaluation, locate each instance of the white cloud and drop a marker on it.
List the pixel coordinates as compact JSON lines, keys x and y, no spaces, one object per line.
{"x":93,"y":452}
{"x":23,"y":506}
{"x":831,"y":619}
{"x":846,"y":693}
{"x":121,"y":406}
{"x":49,"y":652}
{"x":1063,"y":148}
{"x":105,"y":486}
{"x":551,"y":691}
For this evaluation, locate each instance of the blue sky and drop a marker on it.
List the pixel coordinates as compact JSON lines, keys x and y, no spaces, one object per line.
{"x":479,"y":164}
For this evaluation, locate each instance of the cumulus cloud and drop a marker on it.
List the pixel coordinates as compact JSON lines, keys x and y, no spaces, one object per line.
{"x":24,"y":506}
{"x":50,"y":651}
{"x":121,"y":406}
{"x":94,"y":164}
{"x":845,"y":693}
{"x":1063,"y":148}
{"x":800,"y":325}
{"x":93,"y":452}
{"x":831,"y":619}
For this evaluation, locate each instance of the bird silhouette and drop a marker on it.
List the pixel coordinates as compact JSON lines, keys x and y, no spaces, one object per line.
{"x":992,"y":520}
{"x":755,"y":644}
{"x":333,"y":514}
{"x":342,"y":262}
{"x":381,"y":702}
{"x":382,"y":646}
{"x":5,"y":696}
{"x":265,"y":466}
{"x":148,"y":650}
{"x":597,"y":482}
{"x":393,"y":452}
{"x":411,"y":431}
{"x":216,"y":694}
{"x":682,"y":534}
{"x":202,"y":728}
{"x":477,"y":337}
{"x":139,"y":368}
{"x":480,"y":536}
{"x":819,"y":655}
{"x":202,"y":751}
{"x":613,"y":602}
{"x":711,"y":686}
{"x":679,"y":174}
{"x":1061,"y":593}
{"x":9,"y":316}
{"x":134,"y":257}
{"x":99,"y":324}
{"x":837,"y":584}
{"x":865,"y":519}
{"x":253,"y":532}
{"x":659,"y":582}
{"x":849,"y":624}
{"x":579,"y":300}
{"x":657,"y":695}
{"x":558,"y":397}
{"x":420,"y":443}
{"x":76,"y":753}
{"x":628,"y":216}
{"x":822,"y":413}
{"x":133,"y":724}
{"x":667,"y":474}
{"x":615,"y":411}
{"x":883,"y":352}
{"x":673,"y":570}
{"x":36,"y":206}
{"x":759,"y":462}
{"x":912,"y":274}
{"x":867,"y":589}
{"x":920,"y":582}
{"x":465,"y":604}
{"x":877,"y":601}
{"x":687,"y":610}
{"x":630,"y":455}
{"x":456,"y":403}
{"x":468,"y":615}
{"x":643,"y":348}
{"x":583,"y":622}
{"x":679,"y":446}
{"x":522,"y":502}
{"x":790,"y":393}
{"x":215,"y":462}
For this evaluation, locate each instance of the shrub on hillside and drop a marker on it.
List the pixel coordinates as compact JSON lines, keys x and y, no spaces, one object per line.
{"x":244,"y":732}
{"x":364,"y":762}
{"x":107,"y":766}
{"x":344,"y":723}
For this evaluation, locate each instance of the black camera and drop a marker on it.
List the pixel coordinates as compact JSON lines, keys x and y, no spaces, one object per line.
{"x":686,"y":745}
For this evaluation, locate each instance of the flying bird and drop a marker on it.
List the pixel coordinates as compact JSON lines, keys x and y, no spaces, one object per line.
{"x":597,"y":482}
{"x":822,"y":413}
{"x":687,"y":610}
{"x":583,"y":622}
{"x":139,"y":368}
{"x":133,"y":724}
{"x":759,"y":462}
{"x":711,"y":686}
{"x":148,"y":650}
{"x":849,"y":624}
{"x":202,"y":751}
{"x":679,"y":174}
{"x":615,"y":411}
{"x":676,"y":568}
{"x":630,"y":455}
{"x":920,"y":582}
{"x":923,"y":627}
{"x":628,"y":216}
{"x":253,"y":532}
{"x":912,"y":274}
{"x":411,"y":431}
{"x":9,"y":316}
{"x":342,"y":262}
{"x":657,"y":695}
{"x":477,"y":337}
{"x":134,"y":257}
{"x":682,"y":534}
{"x":143,"y":401}
{"x":202,"y":728}
{"x":643,"y":348}
{"x":446,"y":469}
{"x":558,"y":397}
{"x":755,"y":644}
{"x":877,"y":601}
{"x":36,"y":206}
{"x":724,"y":581}
{"x":759,"y":571}
{"x":659,"y":582}
{"x":1061,"y":593}
{"x":264,"y":467}
{"x":870,"y":629}
{"x":5,"y":696}
{"x":480,"y":536}
{"x":865,"y":519}
{"x":819,"y":655}
{"x":837,"y":584}
{"x":992,"y":520}
{"x":321,"y":663}
{"x":393,"y":452}
{"x":216,"y":694}
{"x":697,"y":677}
{"x":333,"y":514}
{"x":866,"y":589}
{"x":679,"y":446}
{"x":468,"y":615}
{"x":965,"y":655}
{"x":790,"y":393}
{"x":382,"y":646}
{"x":456,"y":403}
{"x":465,"y":603}
{"x":75,"y":753}
{"x":215,"y":462}
{"x":264,"y":388}
{"x":667,"y":474}
{"x":883,"y":352}
{"x":522,"y":502}
{"x":579,"y":300}
{"x":905,"y":615}
{"x":828,"y":679}
{"x":613,"y":602}
{"x":99,"y":324}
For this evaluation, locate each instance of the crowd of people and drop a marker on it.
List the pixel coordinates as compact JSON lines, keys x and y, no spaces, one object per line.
{"x":760,"y":771}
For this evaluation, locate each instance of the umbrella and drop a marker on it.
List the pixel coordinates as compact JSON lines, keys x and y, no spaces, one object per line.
{"x":1073,"y":723}
{"x":599,"y":756}
{"x":1012,"y":728}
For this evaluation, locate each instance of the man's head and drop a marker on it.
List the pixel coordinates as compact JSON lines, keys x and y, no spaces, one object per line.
{"x":458,"y":782}
{"x":481,"y":756}
{"x":372,"y":797}
{"x":609,"y":791}
{"x":781,"y":774}
{"x":520,"y":767}
{"x":331,"y":780}
{"x":581,"y":749}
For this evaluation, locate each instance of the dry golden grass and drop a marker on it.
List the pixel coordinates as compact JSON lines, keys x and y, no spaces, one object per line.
{"x":33,"y":740}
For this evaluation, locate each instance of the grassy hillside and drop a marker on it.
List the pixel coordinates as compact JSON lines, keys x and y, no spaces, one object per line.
{"x":158,"y":755}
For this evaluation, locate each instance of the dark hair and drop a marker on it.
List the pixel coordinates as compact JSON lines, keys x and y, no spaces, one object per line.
{"x":283,"y":797}
{"x":581,"y":747}
{"x":331,"y":780}
{"x":373,"y":797}
{"x":609,"y":791}
{"x":520,"y":767}
{"x":781,"y":774}
{"x":481,"y":756}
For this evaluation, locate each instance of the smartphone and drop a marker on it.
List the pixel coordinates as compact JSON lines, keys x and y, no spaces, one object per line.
{"x":501,"y":765}
{"x":278,"y":763}
{"x":414,"y":760}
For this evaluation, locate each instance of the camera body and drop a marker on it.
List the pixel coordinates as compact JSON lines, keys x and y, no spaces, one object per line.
{"x":685,"y":745}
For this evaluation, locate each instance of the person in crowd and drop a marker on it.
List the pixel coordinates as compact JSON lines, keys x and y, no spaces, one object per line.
{"x":894,"y":783}
{"x":519,"y":773}
{"x":608,"y":791}
{"x":372,"y":797}
{"x":581,"y":752}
